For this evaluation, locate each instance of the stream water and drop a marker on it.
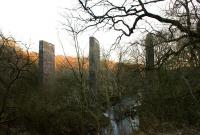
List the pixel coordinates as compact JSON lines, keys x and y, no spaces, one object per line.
{"x":123,"y":118}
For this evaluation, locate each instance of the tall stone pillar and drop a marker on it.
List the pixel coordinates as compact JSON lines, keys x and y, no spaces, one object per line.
{"x":46,"y":62}
{"x":94,"y":65}
{"x":149,"y":52}
{"x":198,"y":44}
{"x":198,"y":27}
{"x":150,"y":75}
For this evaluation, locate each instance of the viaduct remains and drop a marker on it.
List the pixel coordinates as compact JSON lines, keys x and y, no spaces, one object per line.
{"x":47,"y":61}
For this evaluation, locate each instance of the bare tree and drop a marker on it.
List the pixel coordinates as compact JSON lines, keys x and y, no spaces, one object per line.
{"x":180,"y":19}
{"x":180,"y":15}
{"x":14,"y":62}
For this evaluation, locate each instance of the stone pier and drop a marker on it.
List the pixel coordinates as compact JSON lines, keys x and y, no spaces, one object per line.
{"x":94,"y":65}
{"x":46,"y":62}
{"x":150,"y":74}
{"x":198,"y":27}
{"x":149,"y":52}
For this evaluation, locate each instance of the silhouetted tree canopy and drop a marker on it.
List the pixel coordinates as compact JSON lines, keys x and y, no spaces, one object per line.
{"x":178,"y":18}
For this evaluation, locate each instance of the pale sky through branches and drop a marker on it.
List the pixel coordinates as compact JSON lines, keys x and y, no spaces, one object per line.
{"x":32,"y":20}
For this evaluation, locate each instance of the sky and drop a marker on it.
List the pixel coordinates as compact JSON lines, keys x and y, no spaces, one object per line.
{"x":29,"y":21}
{"x":32,"y":20}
